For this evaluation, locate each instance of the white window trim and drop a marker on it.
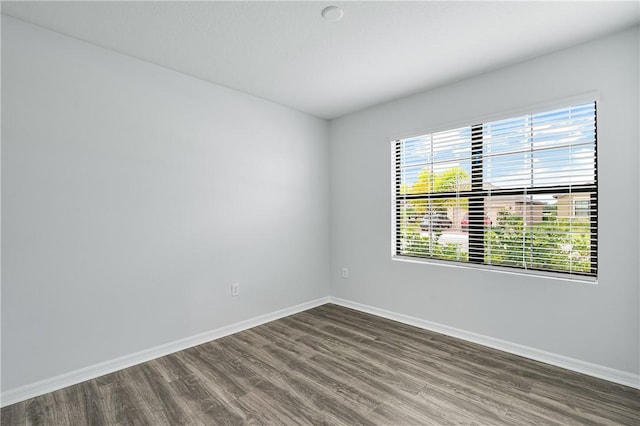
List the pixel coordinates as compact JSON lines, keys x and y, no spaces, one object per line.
{"x":593,"y":96}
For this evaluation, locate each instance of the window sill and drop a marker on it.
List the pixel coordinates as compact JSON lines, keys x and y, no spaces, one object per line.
{"x":582,"y":279}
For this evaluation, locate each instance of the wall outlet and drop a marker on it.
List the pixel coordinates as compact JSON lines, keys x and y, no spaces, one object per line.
{"x":235,"y":289}
{"x":345,"y":272}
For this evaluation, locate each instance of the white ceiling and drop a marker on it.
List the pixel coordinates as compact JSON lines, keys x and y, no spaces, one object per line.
{"x":286,"y":52}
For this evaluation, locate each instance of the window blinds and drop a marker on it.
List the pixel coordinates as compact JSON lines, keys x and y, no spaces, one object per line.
{"x":519,"y":192}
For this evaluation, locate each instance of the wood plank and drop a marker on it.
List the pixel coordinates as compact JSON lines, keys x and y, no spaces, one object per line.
{"x":222,"y":385}
{"x":351,"y":390}
{"x":14,"y":414}
{"x":203,"y":403}
{"x":141,"y":389}
{"x":171,"y":368}
{"x":336,"y":409}
{"x":128,"y":406}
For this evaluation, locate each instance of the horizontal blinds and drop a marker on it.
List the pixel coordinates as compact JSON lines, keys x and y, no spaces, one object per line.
{"x":518,"y":192}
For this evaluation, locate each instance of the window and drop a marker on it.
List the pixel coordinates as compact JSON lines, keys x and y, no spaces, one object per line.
{"x":519,"y":192}
{"x":581,"y":207}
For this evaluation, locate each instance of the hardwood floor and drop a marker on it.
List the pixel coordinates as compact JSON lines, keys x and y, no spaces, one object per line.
{"x":332,"y":365}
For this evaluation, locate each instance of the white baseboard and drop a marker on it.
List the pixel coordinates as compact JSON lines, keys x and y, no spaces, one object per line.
{"x":58,"y":382}
{"x":595,"y":370}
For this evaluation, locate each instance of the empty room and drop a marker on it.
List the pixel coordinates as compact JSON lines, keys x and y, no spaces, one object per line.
{"x":304,"y":213}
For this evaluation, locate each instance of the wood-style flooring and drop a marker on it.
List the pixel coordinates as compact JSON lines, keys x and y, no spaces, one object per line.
{"x":332,"y":365}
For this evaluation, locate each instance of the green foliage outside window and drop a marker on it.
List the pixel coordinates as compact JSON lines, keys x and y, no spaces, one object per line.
{"x":450,"y":180}
{"x":555,"y":243}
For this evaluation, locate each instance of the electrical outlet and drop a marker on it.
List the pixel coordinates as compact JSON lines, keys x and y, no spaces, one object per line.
{"x":235,"y":289}
{"x":345,"y":272}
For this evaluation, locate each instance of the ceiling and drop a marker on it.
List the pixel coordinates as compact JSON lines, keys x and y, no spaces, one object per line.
{"x":285,"y":52}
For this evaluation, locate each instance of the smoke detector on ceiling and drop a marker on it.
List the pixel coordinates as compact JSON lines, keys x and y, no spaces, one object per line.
{"x":332,"y":13}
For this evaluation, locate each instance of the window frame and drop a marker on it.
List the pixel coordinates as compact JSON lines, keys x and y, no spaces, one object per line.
{"x":576,"y":207}
{"x":591,"y":277}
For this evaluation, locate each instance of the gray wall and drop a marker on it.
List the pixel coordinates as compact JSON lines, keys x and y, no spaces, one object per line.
{"x":594,"y":323}
{"x":133,"y":196}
